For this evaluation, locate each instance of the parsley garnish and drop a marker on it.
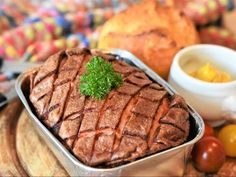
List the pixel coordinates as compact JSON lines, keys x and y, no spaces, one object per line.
{"x":99,"y":78}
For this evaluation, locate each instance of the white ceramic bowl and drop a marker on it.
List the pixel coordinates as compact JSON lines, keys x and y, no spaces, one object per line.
{"x":213,"y":101}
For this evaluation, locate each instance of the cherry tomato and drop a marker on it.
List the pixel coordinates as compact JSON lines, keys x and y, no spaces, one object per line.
{"x":227,"y":136}
{"x":208,"y":155}
{"x":209,"y":131}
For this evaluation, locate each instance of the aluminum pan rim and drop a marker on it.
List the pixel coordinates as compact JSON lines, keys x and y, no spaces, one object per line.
{"x":151,"y":74}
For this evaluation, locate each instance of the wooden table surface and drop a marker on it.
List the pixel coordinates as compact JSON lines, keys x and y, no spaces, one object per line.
{"x":24,"y":153}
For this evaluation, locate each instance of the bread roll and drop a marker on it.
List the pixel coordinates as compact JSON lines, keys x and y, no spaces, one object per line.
{"x":152,"y":32}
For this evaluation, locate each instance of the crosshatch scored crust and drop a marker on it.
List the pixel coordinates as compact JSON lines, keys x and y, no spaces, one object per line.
{"x":137,"y":119}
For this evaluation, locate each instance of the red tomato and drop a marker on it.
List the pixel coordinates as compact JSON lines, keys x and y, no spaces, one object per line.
{"x":208,"y":155}
{"x":209,"y":131}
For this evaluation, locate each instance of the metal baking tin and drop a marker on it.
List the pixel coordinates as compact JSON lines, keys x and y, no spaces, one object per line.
{"x":170,"y":162}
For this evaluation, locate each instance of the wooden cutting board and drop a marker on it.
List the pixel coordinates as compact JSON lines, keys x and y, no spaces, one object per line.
{"x":24,"y":153}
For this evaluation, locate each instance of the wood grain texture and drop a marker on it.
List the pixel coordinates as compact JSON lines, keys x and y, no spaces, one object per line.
{"x":228,"y":169}
{"x":190,"y":171}
{"x":24,"y":153}
{"x":9,"y":163}
{"x":34,"y":155}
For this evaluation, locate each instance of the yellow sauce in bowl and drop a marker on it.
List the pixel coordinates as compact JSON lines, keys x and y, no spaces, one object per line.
{"x":210,"y":73}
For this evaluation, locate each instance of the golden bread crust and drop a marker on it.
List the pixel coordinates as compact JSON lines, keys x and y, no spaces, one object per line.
{"x":151,"y":32}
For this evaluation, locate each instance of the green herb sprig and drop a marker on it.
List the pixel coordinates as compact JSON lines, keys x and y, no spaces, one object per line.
{"x":99,"y":78}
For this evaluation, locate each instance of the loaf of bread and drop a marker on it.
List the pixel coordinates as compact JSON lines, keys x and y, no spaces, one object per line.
{"x":152,"y":32}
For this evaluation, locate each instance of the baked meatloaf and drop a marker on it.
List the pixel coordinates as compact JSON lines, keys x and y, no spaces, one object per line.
{"x":137,"y":119}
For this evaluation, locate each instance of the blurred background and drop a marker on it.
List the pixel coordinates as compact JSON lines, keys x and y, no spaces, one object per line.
{"x":30,"y":31}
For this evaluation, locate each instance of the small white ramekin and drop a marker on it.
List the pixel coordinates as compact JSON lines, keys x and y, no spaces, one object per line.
{"x":213,"y":101}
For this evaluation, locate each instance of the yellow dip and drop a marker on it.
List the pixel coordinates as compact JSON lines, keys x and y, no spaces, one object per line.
{"x":211,"y":74}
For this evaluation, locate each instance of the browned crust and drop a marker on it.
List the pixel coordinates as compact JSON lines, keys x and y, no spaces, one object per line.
{"x":135,"y":120}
